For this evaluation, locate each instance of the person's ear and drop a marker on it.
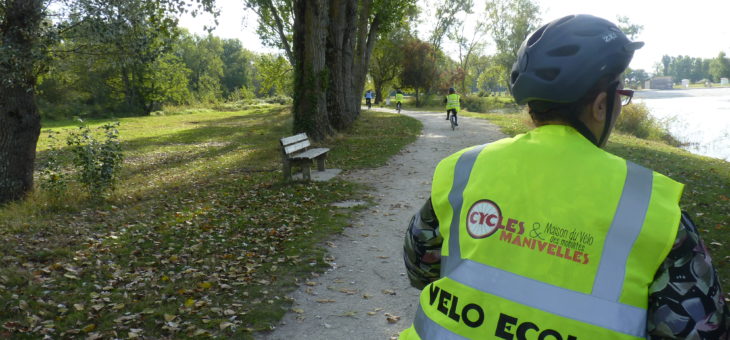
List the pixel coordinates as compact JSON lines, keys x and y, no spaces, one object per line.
{"x":598,"y":107}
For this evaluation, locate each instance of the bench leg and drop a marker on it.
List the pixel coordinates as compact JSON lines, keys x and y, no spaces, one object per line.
{"x":320,"y":163}
{"x":305,"y":171}
{"x":287,"y":170}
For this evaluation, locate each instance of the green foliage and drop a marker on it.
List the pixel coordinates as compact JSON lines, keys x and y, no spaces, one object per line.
{"x":275,"y":19}
{"x":635,"y":120}
{"x":237,"y":67}
{"x":509,"y":23}
{"x":274,"y":75}
{"x":202,"y":55}
{"x":387,"y":60}
{"x":484,"y":104}
{"x":630,"y":29}
{"x":686,"y":67}
{"x":98,"y":161}
{"x":419,"y":68}
{"x":52,"y":174}
{"x":719,"y":67}
{"x":446,"y":19}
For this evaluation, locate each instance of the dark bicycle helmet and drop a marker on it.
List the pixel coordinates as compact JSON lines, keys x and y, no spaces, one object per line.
{"x":451,"y":90}
{"x":564,"y":59}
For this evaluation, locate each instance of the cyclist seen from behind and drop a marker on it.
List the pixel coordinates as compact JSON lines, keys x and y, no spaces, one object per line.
{"x":368,"y":98}
{"x":547,"y":236}
{"x":398,"y":99}
{"x":453,"y":104}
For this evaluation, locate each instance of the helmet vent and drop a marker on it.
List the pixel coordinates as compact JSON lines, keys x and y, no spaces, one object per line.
{"x":548,"y":74}
{"x":536,"y":36}
{"x":513,"y":76}
{"x":564,"y":51}
{"x":562,"y":20}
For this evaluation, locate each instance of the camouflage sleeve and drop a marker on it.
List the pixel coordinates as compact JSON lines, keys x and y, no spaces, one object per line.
{"x":422,"y":247}
{"x":685,"y":300}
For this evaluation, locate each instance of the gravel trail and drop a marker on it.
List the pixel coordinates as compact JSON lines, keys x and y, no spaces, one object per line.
{"x":367,"y":285}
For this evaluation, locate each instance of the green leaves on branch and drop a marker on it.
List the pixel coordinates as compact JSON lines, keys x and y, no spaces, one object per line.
{"x":94,"y":158}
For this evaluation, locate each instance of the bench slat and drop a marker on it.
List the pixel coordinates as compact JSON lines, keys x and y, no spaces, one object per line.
{"x":311,"y":153}
{"x":292,"y":148}
{"x":293,"y":139}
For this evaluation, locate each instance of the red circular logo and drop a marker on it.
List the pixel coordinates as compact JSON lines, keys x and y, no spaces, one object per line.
{"x":483,"y":219}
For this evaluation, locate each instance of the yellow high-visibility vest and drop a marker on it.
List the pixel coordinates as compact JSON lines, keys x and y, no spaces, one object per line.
{"x":398,"y":97}
{"x":452,"y":102}
{"x":546,"y":236}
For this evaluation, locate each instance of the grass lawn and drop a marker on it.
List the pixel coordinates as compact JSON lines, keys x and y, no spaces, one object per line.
{"x":201,"y":238}
{"x":707,"y":182}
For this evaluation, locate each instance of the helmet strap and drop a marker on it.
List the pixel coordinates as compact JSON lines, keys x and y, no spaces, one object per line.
{"x":576,"y":123}
{"x":610,"y":101}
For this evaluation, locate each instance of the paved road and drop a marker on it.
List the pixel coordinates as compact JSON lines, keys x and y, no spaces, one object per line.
{"x":367,"y":283}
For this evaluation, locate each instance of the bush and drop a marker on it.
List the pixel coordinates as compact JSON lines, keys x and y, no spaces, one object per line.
{"x":635,"y":120}
{"x":97,"y":161}
{"x":485,"y":104}
{"x":52,"y":175}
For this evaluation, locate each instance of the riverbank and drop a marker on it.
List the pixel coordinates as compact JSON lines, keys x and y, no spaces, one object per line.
{"x":699,"y":118}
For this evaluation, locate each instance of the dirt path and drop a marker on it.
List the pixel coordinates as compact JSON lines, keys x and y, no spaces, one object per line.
{"x":367,"y":282}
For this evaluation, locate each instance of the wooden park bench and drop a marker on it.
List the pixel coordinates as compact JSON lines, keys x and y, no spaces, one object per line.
{"x":295,"y":151}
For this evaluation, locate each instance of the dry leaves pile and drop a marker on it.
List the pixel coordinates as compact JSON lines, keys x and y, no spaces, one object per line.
{"x":214,"y":262}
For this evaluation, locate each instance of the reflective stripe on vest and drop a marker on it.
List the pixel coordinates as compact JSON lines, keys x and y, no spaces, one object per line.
{"x":601,"y":308}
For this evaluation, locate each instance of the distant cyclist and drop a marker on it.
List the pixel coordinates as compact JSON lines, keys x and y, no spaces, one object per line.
{"x":368,"y":98}
{"x":398,"y":99}
{"x":453,"y":104}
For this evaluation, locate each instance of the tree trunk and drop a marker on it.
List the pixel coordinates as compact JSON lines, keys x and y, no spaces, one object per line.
{"x":378,"y":93}
{"x":338,"y":38}
{"x":310,"y":71}
{"x":20,"y":122}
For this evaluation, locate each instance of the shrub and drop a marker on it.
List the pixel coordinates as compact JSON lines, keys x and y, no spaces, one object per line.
{"x":52,"y":175}
{"x":97,"y":162}
{"x":485,"y":104}
{"x":636,"y":120}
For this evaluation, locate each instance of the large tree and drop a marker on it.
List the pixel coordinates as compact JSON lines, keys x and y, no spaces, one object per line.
{"x":469,"y":49}
{"x":350,"y":29}
{"x":21,"y":54}
{"x":387,"y":60}
{"x":510,"y":21}
{"x":719,"y":67}
{"x":419,"y":70}
{"x":26,"y":32}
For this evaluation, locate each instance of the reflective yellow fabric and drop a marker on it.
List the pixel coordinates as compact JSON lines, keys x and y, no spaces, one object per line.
{"x":398,"y":97}
{"x":551,"y":196}
{"x":452,"y":102}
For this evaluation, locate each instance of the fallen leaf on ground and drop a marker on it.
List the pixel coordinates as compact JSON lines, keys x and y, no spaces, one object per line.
{"x":348,"y":291}
{"x":392,"y":318}
{"x":388,"y":292}
{"x":325,"y":300}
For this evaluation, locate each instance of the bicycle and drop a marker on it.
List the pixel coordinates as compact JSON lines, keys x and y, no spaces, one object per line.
{"x":452,"y":118}
{"x":397,"y":106}
{"x":369,"y":103}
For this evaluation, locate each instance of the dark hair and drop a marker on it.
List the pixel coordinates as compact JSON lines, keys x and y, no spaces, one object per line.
{"x":544,"y":111}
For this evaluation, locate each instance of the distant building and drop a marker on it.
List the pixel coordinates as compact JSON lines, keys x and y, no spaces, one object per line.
{"x":685,"y":83}
{"x":661,"y":83}
{"x":723,"y":81}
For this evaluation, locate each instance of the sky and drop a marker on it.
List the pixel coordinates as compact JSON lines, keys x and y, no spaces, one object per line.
{"x":698,"y":28}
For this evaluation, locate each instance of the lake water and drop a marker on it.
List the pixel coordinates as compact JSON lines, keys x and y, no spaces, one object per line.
{"x":697,"y":116}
